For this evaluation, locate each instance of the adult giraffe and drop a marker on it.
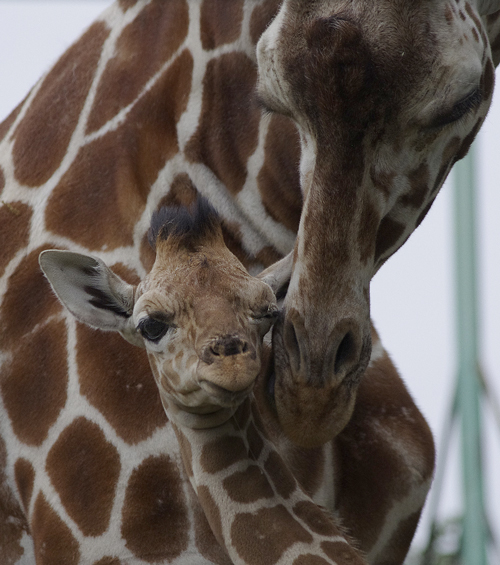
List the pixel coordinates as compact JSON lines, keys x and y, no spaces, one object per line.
{"x":155,"y":96}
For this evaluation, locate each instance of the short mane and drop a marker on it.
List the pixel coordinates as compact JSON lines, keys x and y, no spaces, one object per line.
{"x":189,"y":225}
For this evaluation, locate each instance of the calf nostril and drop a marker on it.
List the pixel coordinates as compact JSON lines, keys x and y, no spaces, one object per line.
{"x":227,"y":346}
{"x":346,"y":352}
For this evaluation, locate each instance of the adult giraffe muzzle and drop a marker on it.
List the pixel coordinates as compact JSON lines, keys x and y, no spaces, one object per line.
{"x":387,"y":96}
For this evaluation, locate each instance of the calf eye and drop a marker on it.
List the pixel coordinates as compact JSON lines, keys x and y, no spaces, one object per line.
{"x":152,"y":329}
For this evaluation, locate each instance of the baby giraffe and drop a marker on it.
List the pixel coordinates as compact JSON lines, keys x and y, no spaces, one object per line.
{"x":202,"y":320}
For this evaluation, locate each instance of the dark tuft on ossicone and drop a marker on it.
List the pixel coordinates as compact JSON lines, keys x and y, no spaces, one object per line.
{"x":188,"y":225}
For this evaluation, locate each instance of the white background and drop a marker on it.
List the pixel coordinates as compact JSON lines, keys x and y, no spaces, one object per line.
{"x":412,"y":296}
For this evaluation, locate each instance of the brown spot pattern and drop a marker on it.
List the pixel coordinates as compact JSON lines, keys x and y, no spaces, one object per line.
{"x":228,"y":130}
{"x":419,"y":187}
{"x":117,"y":380}
{"x":84,"y":469}
{"x":248,"y":486}
{"x":315,"y":518}
{"x":108,"y":561}
{"x":212,"y":512}
{"x":282,"y":479}
{"x":182,"y":192}
{"x":14,"y":229}
{"x":13,"y":523}
{"x":25,"y":479}
{"x":34,"y":383}
{"x":222,"y":453}
{"x":488,"y":80}
{"x":155,"y":522}
{"x":43,"y":135}
{"x":262,"y":537}
{"x":220,"y":22}
{"x":28,"y":300}
{"x":389,"y":233}
{"x":340,"y":552}
{"x":261,"y":17}
{"x":143,"y":47}
{"x":278,"y":180}
{"x":54,"y":542}
{"x":100,"y":198}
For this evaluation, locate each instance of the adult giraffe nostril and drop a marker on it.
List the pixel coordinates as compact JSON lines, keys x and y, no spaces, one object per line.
{"x":346,"y":353}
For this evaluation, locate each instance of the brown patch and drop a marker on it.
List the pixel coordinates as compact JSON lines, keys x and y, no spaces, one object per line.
{"x":263,"y":537}
{"x":267,"y":256}
{"x":28,"y":300}
{"x":126,"y":4}
{"x":34,"y":383}
{"x":419,"y":188}
{"x":488,"y":80}
{"x":398,"y":546}
{"x":316,"y":518}
{"x":212,"y":512}
{"x":205,"y":540}
{"x":43,"y":135}
{"x":389,"y":233}
{"x":248,"y":486}
{"x":382,"y":181}
{"x":84,"y":470}
{"x":143,"y":47}
{"x":462,"y":15}
{"x":368,"y":225}
{"x":282,"y":479}
{"x":310,"y":559}
{"x":155,"y":522}
{"x":475,"y":35}
{"x":13,"y":523}
{"x":2,"y":179}
{"x":222,"y":453}
{"x":9,"y":120}
{"x":340,"y":552}
{"x":448,"y":14}
{"x":384,"y":405}
{"x":228,"y":130}
{"x":278,"y":180}
{"x":182,"y":192}
{"x":54,"y":542}
{"x":25,"y":479}
{"x":117,"y":380}
{"x":128,"y":275}
{"x":15,"y":219}
{"x":100,"y":198}
{"x":473,"y":16}
{"x":220,"y":22}
{"x":261,"y":17}
{"x":108,"y":561}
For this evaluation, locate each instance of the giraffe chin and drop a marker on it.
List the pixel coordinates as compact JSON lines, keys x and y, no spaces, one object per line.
{"x":197,"y":418}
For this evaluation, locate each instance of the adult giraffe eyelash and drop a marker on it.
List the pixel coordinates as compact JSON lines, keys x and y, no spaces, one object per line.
{"x":461,"y":109}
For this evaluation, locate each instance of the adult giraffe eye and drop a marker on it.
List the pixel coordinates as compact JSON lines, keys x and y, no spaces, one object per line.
{"x":460,"y":109}
{"x":153,"y":329}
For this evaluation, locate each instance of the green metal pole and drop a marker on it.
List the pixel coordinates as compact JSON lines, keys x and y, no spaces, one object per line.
{"x":469,"y":388}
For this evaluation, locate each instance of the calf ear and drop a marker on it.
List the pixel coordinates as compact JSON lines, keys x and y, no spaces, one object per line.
{"x":278,"y":275}
{"x":89,"y":289}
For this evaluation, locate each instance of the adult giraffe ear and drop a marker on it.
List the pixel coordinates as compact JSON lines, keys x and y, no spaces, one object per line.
{"x":486,"y":7}
{"x":90,"y":290}
{"x":278,"y":275}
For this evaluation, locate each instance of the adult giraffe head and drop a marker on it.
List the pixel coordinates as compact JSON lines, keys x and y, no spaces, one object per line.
{"x":387,"y":95}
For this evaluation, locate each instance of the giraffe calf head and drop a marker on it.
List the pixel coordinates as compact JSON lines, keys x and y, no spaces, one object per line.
{"x":200,"y":316}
